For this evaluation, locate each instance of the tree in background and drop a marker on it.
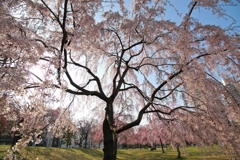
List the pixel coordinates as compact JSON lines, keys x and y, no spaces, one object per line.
{"x":142,"y":136}
{"x":87,"y":48}
{"x":97,"y":135}
{"x":3,"y":123}
{"x":158,"y":133}
{"x":3,"y":120}
{"x":68,"y":134}
{"x":63,"y":123}
{"x":128,"y":139}
{"x":85,"y":128}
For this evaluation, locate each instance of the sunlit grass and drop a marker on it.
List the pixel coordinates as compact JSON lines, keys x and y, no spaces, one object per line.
{"x":51,"y":153}
{"x":188,"y":153}
{"x":44,"y":153}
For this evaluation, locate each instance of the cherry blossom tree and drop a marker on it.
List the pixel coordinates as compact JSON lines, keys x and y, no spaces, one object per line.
{"x":128,"y":138}
{"x":97,"y":135}
{"x":142,"y":136}
{"x":159,"y":133}
{"x":17,"y":56}
{"x":97,"y":130}
{"x":27,"y":118}
{"x":90,"y":48}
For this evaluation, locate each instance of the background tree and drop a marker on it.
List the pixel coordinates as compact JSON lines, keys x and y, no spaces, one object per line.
{"x":3,"y":123}
{"x":159,"y":133}
{"x":142,"y":134}
{"x":84,"y":131}
{"x":97,"y":135}
{"x":68,"y":134}
{"x":115,"y":57}
{"x":128,"y":139}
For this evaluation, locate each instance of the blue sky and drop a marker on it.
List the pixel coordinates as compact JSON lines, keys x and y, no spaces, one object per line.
{"x":204,"y":15}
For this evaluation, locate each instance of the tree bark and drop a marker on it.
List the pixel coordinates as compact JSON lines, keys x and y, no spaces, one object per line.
{"x":109,"y":137}
{"x":80,"y":143}
{"x":85,"y":144}
{"x":99,"y":144}
{"x":162,"y":145}
{"x":110,"y":142}
{"x":178,"y":150}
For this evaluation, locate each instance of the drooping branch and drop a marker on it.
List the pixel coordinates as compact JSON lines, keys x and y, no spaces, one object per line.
{"x":225,"y":88}
{"x":81,"y":90}
{"x":91,"y":73}
{"x":143,"y":110}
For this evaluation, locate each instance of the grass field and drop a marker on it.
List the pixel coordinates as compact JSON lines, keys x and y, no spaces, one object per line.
{"x":43,"y":153}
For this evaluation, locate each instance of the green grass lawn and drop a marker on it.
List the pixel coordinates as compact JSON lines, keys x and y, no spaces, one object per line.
{"x":43,"y":153}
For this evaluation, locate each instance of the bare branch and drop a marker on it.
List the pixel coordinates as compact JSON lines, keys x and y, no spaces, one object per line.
{"x":194,"y":4}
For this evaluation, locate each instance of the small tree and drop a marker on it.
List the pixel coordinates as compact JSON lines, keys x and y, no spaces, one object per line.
{"x":159,"y":133}
{"x":84,"y":131}
{"x":68,"y":134}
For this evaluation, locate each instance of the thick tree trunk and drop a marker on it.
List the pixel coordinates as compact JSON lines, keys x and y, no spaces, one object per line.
{"x":109,"y":137}
{"x":110,"y":142}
